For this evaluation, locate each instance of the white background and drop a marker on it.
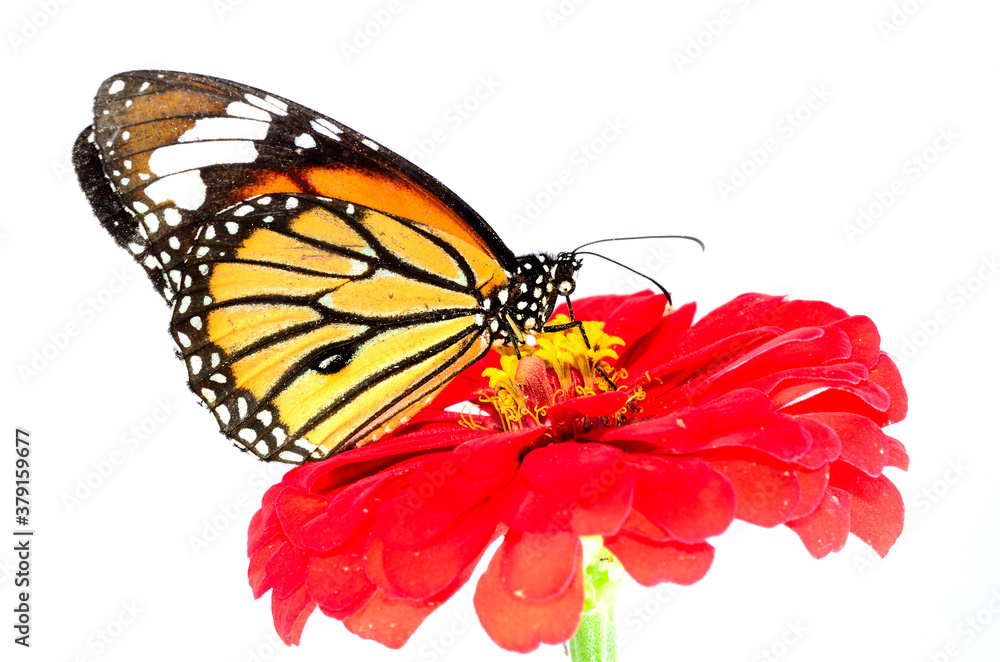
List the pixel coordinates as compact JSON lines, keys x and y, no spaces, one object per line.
{"x":886,"y":95}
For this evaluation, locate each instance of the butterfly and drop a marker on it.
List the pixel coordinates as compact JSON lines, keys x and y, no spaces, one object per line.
{"x":323,"y":288}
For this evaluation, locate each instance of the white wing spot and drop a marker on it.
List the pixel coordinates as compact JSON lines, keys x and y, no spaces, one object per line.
{"x":195,"y":365}
{"x":305,"y":141}
{"x":185,"y":190}
{"x":291,"y":203}
{"x":240,"y":109}
{"x":225,"y":128}
{"x":369,"y":143}
{"x":326,"y":128}
{"x":116,"y":87}
{"x":181,"y":157}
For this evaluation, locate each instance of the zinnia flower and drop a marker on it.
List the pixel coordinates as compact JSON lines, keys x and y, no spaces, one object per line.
{"x":766,"y":410}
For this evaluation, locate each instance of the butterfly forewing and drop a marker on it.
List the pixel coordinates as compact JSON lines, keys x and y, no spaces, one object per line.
{"x":179,"y":148}
{"x":323,"y":287}
{"x":309,"y":325}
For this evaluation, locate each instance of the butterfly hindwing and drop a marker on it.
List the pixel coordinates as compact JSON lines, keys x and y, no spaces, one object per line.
{"x":309,"y":325}
{"x":176,"y":149}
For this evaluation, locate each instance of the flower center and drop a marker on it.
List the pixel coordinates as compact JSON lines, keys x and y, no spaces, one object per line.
{"x":558,"y":368}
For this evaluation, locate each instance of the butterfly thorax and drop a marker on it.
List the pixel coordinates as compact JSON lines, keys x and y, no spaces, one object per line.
{"x":532,"y":294}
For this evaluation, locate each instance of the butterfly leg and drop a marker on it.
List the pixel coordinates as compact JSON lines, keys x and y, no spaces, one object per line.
{"x":577,"y":324}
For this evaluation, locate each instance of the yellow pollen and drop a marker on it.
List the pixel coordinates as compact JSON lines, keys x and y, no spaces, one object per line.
{"x":574,"y":364}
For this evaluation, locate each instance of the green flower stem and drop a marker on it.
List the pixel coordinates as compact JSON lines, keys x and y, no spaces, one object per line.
{"x":594,"y":640}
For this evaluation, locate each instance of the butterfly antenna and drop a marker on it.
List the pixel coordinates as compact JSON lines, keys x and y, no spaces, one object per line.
{"x":653,"y":236}
{"x":628,"y":268}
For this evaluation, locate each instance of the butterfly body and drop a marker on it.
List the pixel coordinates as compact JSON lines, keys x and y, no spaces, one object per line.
{"x":323,"y":289}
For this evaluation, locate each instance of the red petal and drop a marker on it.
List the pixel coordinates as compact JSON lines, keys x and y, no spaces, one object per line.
{"x":684,"y":496}
{"x":742,"y":313}
{"x":629,"y":317}
{"x":876,"y":506}
{"x":863,"y":444}
{"x":296,"y":508}
{"x":346,"y":468}
{"x":846,"y":373}
{"x":886,"y":374}
{"x":491,"y":454}
{"x":257,"y":535}
{"x":337,"y":580}
{"x":798,"y":313}
{"x":520,"y":625}
{"x":353,"y":504}
{"x":897,"y":455}
{"x":286,"y":569}
{"x":825,"y":444}
{"x":865,"y":339}
{"x":290,"y":615}
{"x":651,"y":563}
{"x":421,"y":574}
{"x":825,"y":529}
{"x":591,"y":406}
{"x":742,"y":418}
{"x":812,"y":487}
{"x":258,"y":564}
{"x":389,"y":621}
{"x":538,"y":566}
{"x":767,"y":490}
{"x":798,"y":348}
{"x":882,"y":398}
{"x":640,"y":526}
{"x":584,"y":488}
{"x":649,"y":350}
{"x":264,"y":523}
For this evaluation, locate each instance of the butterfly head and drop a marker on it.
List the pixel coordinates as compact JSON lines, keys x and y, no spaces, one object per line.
{"x":563,"y":273}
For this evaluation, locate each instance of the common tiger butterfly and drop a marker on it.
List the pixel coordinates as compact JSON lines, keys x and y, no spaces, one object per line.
{"x":323,"y":288}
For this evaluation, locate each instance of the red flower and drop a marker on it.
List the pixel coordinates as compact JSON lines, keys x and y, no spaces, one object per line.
{"x":766,"y":410}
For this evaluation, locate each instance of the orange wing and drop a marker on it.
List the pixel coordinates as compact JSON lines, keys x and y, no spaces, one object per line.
{"x":311,"y":325}
{"x":179,"y":148}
